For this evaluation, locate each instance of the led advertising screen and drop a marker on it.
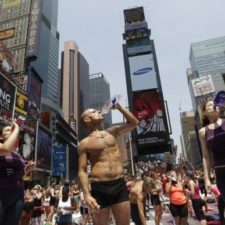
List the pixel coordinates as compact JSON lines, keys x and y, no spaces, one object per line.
{"x":142,"y":72}
{"x":151,"y":129}
{"x":59,"y":160}
{"x":44,"y":149}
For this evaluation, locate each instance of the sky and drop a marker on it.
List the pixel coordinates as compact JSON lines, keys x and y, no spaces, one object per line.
{"x":97,"y":27}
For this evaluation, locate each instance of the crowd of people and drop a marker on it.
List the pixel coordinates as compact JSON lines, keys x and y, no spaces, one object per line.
{"x":107,"y":193}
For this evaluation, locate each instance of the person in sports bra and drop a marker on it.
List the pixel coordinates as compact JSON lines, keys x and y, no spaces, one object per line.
{"x":212,"y":139}
{"x":178,"y":200}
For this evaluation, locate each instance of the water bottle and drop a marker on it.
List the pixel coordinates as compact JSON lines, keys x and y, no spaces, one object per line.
{"x":109,"y":104}
{"x":220,"y":99}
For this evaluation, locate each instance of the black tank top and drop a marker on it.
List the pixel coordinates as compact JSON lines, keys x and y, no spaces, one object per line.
{"x":215,"y":140}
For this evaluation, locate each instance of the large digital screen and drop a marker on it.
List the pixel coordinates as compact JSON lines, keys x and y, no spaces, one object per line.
{"x":44,"y":149}
{"x":142,"y":72}
{"x":151,"y":129}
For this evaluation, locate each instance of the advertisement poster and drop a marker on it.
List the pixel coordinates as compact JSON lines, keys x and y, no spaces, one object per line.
{"x":44,"y":149}
{"x":7,"y":97}
{"x":59,"y":160}
{"x":34,"y":99}
{"x":27,"y":140}
{"x":147,"y":108}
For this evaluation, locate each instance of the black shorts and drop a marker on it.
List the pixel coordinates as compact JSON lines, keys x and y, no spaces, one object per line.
{"x":155,"y":199}
{"x":135,"y":214}
{"x":179,"y":210}
{"x":197,"y":204}
{"x":108,"y":193}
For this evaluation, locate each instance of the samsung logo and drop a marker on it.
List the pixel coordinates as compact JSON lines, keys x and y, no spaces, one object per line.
{"x":142,"y":71}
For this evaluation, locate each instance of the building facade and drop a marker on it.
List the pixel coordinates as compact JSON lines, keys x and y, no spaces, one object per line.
{"x":99,"y":94}
{"x":75,"y":91}
{"x":145,"y":95}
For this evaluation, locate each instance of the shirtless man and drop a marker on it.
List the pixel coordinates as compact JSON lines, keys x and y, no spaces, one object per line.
{"x":137,"y":198}
{"x":108,"y":187}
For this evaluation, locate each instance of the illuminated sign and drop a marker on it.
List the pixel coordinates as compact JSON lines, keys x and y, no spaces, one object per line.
{"x":34,"y":29}
{"x":4,"y":34}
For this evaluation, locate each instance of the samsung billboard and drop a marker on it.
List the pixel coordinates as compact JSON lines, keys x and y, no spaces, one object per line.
{"x":142,"y":72}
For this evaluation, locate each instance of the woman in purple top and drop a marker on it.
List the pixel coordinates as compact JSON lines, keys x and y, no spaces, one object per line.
{"x":11,"y":175}
{"x":212,"y":139}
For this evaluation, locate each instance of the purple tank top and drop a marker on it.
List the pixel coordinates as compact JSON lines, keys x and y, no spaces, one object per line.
{"x":11,"y":171}
{"x":215,"y":140}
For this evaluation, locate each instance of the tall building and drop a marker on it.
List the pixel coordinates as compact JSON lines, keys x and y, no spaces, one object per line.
{"x":145,"y":95}
{"x":190,"y":146}
{"x":75,"y":93}
{"x":207,"y":73}
{"x":29,"y":29}
{"x":99,"y":94}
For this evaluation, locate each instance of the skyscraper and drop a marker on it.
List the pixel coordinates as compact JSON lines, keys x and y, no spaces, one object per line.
{"x":207,"y":73}
{"x":75,"y":93}
{"x":29,"y":29}
{"x":144,"y":89}
{"x":100,"y":93}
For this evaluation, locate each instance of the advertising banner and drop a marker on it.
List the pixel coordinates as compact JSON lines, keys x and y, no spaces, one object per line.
{"x":21,"y":104}
{"x":7,"y":97}
{"x":151,"y":129}
{"x":8,"y":33}
{"x":34,"y":29}
{"x":27,"y":139}
{"x":59,"y":160}
{"x":7,"y":62}
{"x":44,"y":149}
{"x":142,"y":72}
{"x":34,"y":93}
{"x":203,"y":85}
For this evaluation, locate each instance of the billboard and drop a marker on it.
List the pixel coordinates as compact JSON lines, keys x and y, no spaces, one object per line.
{"x":7,"y":63}
{"x":7,"y":97}
{"x":21,"y":104}
{"x":59,"y":160}
{"x":27,"y":139}
{"x":34,"y":29}
{"x":203,"y":85}
{"x":8,"y":33}
{"x":148,"y":109}
{"x":142,"y":72}
{"x":34,"y":93}
{"x":44,"y":149}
